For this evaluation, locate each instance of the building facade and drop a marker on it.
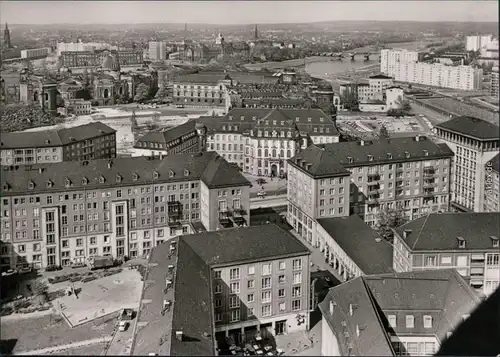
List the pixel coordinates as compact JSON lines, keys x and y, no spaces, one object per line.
{"x":494,"y":83}
{"x":83,"y":47}
{"x":201,"y":91}
{"x":474,"y":143}
{"x":63,"y":213}
{"x":491,"y":185}
{"x":389,"y":59}
{"x":37,"y":90}
{"x":452,"y":240}
{"x":88,"y":59}
{"x":157,"y":50}
{"x":84,"y":142}
{"x":478,"y":43}
{"x":35,"y":53}
{"x":410,"y":174}
{"x":402,"y":314}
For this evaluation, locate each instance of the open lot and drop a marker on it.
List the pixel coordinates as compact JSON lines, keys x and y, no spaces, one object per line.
{"x":101,"y":297}
{"x":395,"y":126}
{"x":274,"y":186}
{"x":48,"y":331}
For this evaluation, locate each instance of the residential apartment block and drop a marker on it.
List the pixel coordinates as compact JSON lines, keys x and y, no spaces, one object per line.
{"x":263,"y":290}
{"x":467,"y":242}
{"x":84,"y":142}
{"x":334,"y":180}
{"x":491,"y":185}
{"x":494,"y":83}
{"x":403,"y":314}
{"x":389,"y":59}
{"x":475,"y":143}
{"x":62,"y":213}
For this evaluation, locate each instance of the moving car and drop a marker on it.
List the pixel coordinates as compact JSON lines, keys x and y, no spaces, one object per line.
{"x":123,"y":325}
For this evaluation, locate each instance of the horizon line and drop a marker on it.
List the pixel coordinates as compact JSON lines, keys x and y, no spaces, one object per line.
{"x":249,"y":23}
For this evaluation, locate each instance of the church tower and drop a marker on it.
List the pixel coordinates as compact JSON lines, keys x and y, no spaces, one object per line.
{"x":6,"y":37}
{"x":256,"y":34}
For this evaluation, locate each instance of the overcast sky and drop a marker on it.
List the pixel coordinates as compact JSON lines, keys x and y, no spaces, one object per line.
{"x":241,"y":12}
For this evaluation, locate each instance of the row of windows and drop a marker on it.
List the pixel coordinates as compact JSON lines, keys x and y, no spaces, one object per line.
{"x":266,"y":310}
{"x":266,"y":269}
{"x":410,"y":321}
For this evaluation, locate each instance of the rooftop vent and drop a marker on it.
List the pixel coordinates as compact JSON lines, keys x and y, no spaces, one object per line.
{"x":343,"y":323}
{"x":350,"y":159}
{"x":110,"y":164}
{"x":40,"y":170}
{"x":170,"y":268}
{"x":332,"y":305}
{"x":495,"y":241}
{"x":417,"y":138}
{"x":178,"y":335}
{"x":352,"y":307}
{"x":168,"y":283}
{"x":461,"y":242}
{"x":72,"y":138}
{"x":389,"y":155}
{"x":362,"y":143}
{"x":47,"y":142}
{"x":406,"y":233}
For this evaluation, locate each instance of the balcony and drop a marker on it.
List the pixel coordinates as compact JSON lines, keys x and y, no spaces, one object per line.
{"x":174,"y":221}
{"x":429,"y":184}
{"x":428,"y":193}
{"x":373,"y":190}
{"x":429,"y":171}
{"x":372,"y":201}
{"x":400,"y":169}
{"x":224,"y":219}
{"x":374,"y":176}
{"x":373,"y":186}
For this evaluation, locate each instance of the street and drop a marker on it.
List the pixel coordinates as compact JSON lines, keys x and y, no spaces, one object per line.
{"x":268,"y":201}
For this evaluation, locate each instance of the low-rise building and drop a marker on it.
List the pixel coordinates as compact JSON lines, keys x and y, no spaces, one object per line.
{"x":262,"y":290}
{"x":467,"y":242}
{"x":78,"y":107}
{"x":63,"y":213}
{"x":403,"y":314}
{"x":340,"y":239}
{"x":491,"y":183}
{"x":84,"y":142}
{"x":189,"y":137}
{"x":474,"y":142}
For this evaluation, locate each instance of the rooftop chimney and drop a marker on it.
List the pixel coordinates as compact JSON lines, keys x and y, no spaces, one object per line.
{"x":178,"y":335}
{"x":406,"y":233}
{"x":332,"y":304}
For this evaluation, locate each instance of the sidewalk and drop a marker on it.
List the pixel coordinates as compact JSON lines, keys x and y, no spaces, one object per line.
{"x":68,"y":346}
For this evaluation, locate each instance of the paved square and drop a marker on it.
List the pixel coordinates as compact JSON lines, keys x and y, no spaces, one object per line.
{"x":101,"y":297}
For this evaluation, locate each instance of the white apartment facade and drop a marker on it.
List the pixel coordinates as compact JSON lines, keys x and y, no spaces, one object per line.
{"x":474,"y":143}
{"x":478,"y":43}
{"x":83,"y":46}
{"x":157,"y":50}
{"x":438,"y":75}
{"x":390,"y":58}
{"x":35,"y":52}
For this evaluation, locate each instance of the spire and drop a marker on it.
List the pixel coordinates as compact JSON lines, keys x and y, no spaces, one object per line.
{"x":256,"y":34}
{"x":185,"y":31}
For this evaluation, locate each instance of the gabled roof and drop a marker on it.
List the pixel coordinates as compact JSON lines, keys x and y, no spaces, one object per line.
{"x":439,"y":231}
{"x":168,"y":135}
{"x":441,"y":294}
{"x":321,"y":163}
{"x":213,"y":170}
{"x":351,"y":233}
{"x":220,"y":248}
{"x":472,"y":127}
{"x":53,"y":138}
{"x":191,"y":294}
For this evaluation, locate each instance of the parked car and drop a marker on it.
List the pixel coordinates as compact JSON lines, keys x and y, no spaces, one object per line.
{"x":261,"y":194}
{"x":9,"y":272}
{"x":123,"y":325}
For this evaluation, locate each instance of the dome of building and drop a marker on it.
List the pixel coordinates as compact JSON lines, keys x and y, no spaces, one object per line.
{"x":110,"y":63}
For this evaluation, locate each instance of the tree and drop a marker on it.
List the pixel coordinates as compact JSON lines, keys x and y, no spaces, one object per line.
{"x":133,"y":121}
{"x":349,"y":98}
{"x":141,"y":92}
{"x":389,"y":219}
{"x":40,"y":292}
{"x":383,"y":133}
{"x":403,"y":105}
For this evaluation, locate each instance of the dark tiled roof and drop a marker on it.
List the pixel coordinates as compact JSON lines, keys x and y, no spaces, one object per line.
{"x":243,"y":120}
{"x":442,"y":294}
{"x":380,"y":76}
{"x":495,"y":163}
{"x":332,"y":159}
{"x":212,"y":169}
{"x":322,"y":163}
{"x":263,"y":242}
{"x":373,"y":341}
{"x":201,"y":78}
{"x":351,"y":233}
{"x":439,"y":231}
{"x":168,"y":135}
{"x":191,"y":294}
{"x":56,"y":137}
{"x":472,"y":127}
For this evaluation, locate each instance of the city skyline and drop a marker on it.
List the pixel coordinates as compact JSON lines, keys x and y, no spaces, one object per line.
{"x":244,"y":12}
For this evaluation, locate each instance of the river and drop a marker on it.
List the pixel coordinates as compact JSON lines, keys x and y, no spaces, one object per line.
{"x":330,"y":69}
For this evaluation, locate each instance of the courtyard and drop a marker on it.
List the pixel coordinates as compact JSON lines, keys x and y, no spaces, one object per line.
{"x":271,"y":186}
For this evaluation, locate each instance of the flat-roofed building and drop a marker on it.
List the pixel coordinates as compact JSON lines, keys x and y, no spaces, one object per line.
{"x":474,"y":142}
{"x":63,"y":213}
{"x":205,"y":288}
{"x":402,"y":314}
{"x":468,"y":242}
{"x":83,"y":142}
